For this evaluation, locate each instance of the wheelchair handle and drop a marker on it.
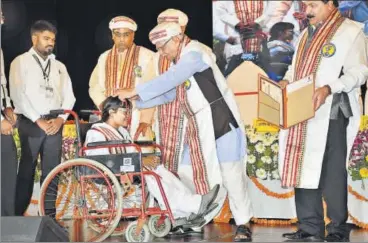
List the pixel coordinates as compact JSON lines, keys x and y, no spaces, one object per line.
{"x":77,"y":124}
{"x":94,"y":112}
{"x":108,"y":143}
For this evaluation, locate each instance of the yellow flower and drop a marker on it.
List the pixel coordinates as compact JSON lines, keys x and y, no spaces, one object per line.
{"x":363,"y":172}
{"x":366,"y":158}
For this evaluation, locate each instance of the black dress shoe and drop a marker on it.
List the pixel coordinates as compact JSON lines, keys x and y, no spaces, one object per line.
{"x":337,"y":237}
{"x":302,"y":236}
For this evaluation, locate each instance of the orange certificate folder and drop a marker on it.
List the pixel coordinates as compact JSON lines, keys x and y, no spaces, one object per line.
{"x":285,"y":107}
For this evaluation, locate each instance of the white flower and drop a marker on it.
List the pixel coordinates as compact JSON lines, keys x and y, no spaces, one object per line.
{"x":249,"y":131}
{"x":253,"y":138}
{"x":275,"y":148}
{"x":275,"y":174}
{"x":251,"y":159}
{"x":260,"y":136}
{"x":268,"y":141}
{"x":261,"y":174}
{"x":274,"y":137}
{"x":266,"y":159}
{"x":260,"y":147}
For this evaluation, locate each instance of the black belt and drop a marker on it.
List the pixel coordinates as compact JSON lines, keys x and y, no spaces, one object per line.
{"x":48,"y":117}
{"x":45,"y":117}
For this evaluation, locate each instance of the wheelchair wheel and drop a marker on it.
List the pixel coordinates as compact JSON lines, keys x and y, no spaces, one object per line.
{"x":132,"y":236}
{"x":82,"y":194}
{"x":159,"y":227}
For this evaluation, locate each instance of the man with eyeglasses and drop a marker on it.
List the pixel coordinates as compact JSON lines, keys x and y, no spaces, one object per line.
{"x":123,"y":67}
{"x":214,"y":144}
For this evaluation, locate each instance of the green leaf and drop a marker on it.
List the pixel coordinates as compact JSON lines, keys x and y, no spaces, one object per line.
{"x":268,"y":152}
{"x":355,"y":175}
{"x":259,"y":164}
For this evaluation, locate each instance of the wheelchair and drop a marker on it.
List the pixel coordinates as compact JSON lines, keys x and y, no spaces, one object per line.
{"x":94,"y":197}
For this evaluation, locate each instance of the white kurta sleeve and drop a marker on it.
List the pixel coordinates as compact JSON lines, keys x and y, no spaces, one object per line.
{"x":67,"y":94}
{"x":96,"y":91}
{"x":224,"y":15}
{"x":95,"y":136}
{"x":5,"y":93}
{"x":217,"y":25}
{"x":18,"y":88}
{"x":275,"y":12}
{"x":355,"y":67}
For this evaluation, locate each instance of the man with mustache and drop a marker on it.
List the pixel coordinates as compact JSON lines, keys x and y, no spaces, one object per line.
{"x":313,"y":154}
{"x":39,"y":83}
{"x":123,"y":67}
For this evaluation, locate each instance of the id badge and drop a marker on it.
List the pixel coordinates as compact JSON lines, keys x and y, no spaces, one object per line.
{"x":49,"y":92}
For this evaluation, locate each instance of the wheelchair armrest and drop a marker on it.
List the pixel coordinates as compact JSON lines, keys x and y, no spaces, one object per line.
{"x":141,"y":143}
{"x":104,"y":143}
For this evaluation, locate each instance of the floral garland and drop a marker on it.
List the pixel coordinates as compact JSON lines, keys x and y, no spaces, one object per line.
{"x":273,"y":222}
{"x":357,"y":195}
{"x":358,"y":223}
{"x":270,"y":193}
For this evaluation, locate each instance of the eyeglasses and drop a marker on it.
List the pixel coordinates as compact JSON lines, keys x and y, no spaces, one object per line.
{"x":163,"y":46}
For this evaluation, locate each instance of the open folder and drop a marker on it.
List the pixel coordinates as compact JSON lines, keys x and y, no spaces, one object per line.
{"x":285,"y":107}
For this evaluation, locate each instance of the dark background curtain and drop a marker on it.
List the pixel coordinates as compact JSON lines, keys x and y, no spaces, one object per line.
{"x":83,"y":32}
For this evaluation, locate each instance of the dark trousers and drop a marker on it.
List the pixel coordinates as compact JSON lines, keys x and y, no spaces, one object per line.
{"x":35,"y":142}
{"x":332,"y":187}
{"x":9,"y":165}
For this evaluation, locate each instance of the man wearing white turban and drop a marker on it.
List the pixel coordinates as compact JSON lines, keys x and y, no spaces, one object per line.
{"x":123,"y":67}
{"x":212,"y":124}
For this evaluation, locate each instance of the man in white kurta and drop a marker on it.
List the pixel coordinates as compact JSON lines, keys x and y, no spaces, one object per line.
{"x":123,"y":67}
{"x":171,"y":124}
{"x":214,"y":122}
{"x":233,"y":17}
{"x":313,"y":154}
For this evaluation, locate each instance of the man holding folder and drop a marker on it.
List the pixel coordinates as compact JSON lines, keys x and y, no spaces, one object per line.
{"x":313,"y":153}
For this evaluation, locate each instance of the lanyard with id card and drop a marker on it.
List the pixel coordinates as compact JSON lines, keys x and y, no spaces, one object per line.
{"x":49,"y":90}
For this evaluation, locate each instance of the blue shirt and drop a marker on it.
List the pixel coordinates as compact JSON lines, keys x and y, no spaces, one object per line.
{"x":162,"y":90}
{"x":359,"y":11}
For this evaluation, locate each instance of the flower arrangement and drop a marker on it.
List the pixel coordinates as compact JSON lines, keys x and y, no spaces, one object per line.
{"x":358,"y":162}
{"x":262,"y":159}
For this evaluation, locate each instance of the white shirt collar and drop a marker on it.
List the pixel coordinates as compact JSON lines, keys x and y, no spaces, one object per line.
{"x":51,"y":56}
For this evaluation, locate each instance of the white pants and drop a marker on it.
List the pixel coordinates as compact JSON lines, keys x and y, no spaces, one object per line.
{"x":235,"y":182}
{"x":181,"y":200}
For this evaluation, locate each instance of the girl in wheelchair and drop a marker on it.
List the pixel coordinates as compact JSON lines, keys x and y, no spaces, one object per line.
{"x":190,"y":208}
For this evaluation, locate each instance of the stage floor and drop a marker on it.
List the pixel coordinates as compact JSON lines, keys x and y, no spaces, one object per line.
{"x":224,"y":233}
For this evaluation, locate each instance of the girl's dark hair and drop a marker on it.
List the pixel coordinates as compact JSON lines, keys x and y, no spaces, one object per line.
{"x":41,"y":26}
{"x":278,"y":28}
{"x":335,"y":2}
{"x":113,"y":103}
